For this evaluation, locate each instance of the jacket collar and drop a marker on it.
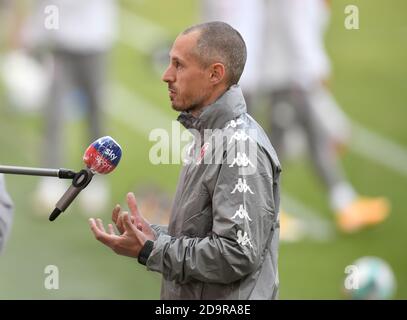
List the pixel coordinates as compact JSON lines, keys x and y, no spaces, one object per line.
{"x":229,"y":106}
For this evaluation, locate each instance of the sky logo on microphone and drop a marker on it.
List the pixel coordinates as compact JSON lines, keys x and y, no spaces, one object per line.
{"x":103,"y":155}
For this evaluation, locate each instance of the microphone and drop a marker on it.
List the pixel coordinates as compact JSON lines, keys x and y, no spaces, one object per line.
{"x":101,"y":157}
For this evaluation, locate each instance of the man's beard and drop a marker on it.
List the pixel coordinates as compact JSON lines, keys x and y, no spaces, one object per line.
{"x":190,"y":108}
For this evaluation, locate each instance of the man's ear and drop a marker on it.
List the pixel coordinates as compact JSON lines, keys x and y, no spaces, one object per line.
{"x":217,"y":73}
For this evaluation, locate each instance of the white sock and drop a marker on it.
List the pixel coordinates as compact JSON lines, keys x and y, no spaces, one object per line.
{"x":341,"y":196}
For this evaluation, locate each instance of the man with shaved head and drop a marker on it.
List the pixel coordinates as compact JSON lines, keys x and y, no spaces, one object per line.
{"x":222,"y":237}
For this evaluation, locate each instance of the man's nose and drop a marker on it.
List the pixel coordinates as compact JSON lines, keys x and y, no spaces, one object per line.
{"x":168,"y":75}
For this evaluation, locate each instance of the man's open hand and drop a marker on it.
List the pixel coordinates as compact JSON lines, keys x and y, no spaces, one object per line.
{"x":134,"y":230}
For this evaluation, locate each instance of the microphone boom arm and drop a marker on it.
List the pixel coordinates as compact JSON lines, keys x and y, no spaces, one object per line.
{"x":44,"y":172}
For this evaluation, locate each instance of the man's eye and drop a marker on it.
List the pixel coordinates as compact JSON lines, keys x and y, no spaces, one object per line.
{"x":177,"y":64}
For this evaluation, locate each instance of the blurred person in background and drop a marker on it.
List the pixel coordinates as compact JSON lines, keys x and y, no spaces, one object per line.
{"x":247,"y":18}
{"x":288,"y":64}
{"x":6,"y":205}
{"x":78,"y":36}
{"x":6,"y":213}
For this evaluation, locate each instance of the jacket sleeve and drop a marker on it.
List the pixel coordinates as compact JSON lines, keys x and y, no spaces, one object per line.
{"x":159,"y":229}
{"x":6,"y":213}
{"x":243,"y":218}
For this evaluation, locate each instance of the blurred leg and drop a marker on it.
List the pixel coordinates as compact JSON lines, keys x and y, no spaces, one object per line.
{"x":322,"y":153}
{"x":54,"y":113}
{"x":287,"y":101}
{"x":49,"y":189}
{"x":91,"y":76}
{"x":278,"y":121}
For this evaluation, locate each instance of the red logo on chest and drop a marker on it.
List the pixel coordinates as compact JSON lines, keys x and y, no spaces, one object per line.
{"x":202,"y":152}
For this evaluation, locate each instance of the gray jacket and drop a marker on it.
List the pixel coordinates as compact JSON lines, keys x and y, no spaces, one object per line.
{"x":222,"y":239}
{"x":6,"y":212}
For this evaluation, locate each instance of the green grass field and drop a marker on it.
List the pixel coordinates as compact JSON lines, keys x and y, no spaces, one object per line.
{"x":369,"y":67}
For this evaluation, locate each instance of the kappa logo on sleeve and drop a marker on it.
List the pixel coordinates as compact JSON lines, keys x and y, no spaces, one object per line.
{"x":240,"y":135}
{"x":242,"y":186}
{"x":241,"y":160}
{"x":234,"y":123}
{"x":242,"y":213}
{"x":243,"y":240}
